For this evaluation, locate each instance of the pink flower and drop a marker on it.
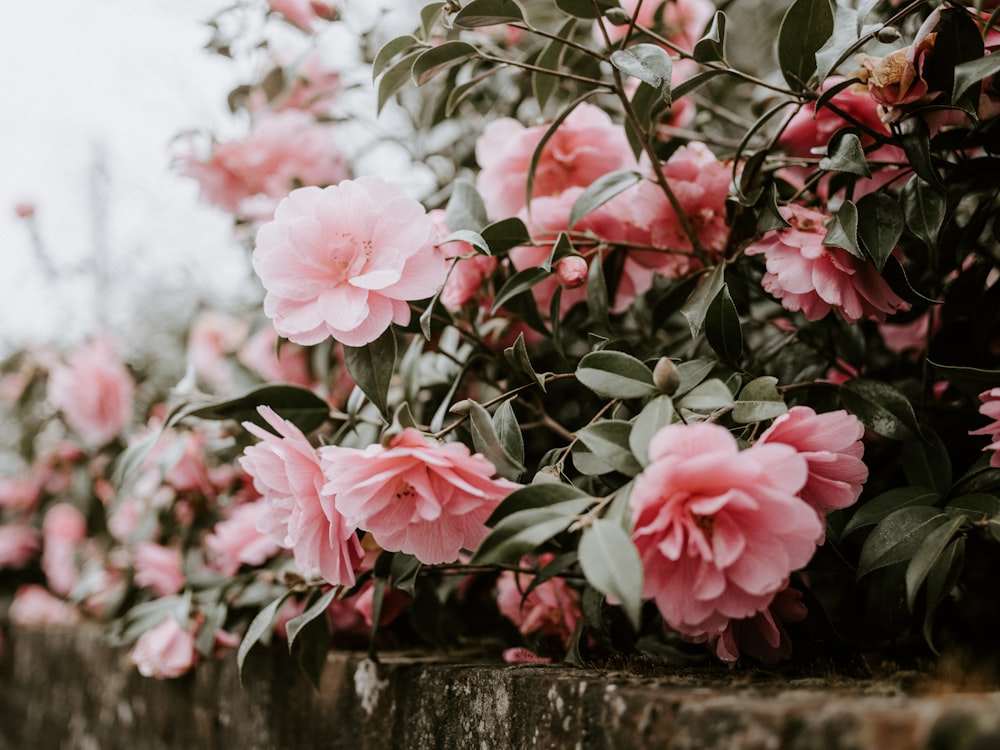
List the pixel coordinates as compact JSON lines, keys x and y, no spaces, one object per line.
{"x":572,"y":271}
{"x":21,"y":492}
{"x":551,"y":609}
{"x":310,"y":85}
{"x":286,"y":472}
{"x":908,"y":337}
{"x":430,"y":500}
{"x":521,"y":655}
{"x":586,"y":146}
{"x":719,"y":530}
{"x":990,"y":407}
{"x":303,"y":13}
{"x":831,"y":445}
{"x":19,"y":542}
{"x":158,"y":568}
{"x":34,"y":606}
{"x":212,"y":339}
{"x":762,"y":636}
{"x":469,"y":269}
{"x":24,"y":209}
{"x":283,"y":150}
{"x":165,"y":652}
{"x":681,"y":21}
{"x":345,"y":261}
{"x":63,"y":532}
{"x":236,"y":541}
{"x":288,"y":364}
{"x":812,"y":128}
{"x":900,"y":79}
{"x":812,"y":277}
{"x":94,"y":391}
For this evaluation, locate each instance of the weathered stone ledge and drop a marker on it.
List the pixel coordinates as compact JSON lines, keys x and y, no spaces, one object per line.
{"x":65,"y":689}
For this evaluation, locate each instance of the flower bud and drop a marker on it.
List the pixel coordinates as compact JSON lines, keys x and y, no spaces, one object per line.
{"x":666,"y":377}
{"x":572,"y":271}
{"x":24,"y":210}
{"x":547,"y":475}
{"x":887,"y":35}
{"x":618,"y":16}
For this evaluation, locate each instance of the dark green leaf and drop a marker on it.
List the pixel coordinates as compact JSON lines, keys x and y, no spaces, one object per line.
{"x":600,"y":191}
{"x":759,"y":400}
{"x":916,"y":142}
{"x":941,"y":579}
{"x":509,"y":431}
{"x":926,"y":462}
{"x":459,"y":93}
{"x":845,"y":34}
{"x":468,"y":236}
{"x":707,"y":397}
{"x":562,"y":249}
{"x":609,"y":440}
{"x":695,"y":82}
{"x":597,"y":296}
{"x":371,"y":366}
{"x":722,"y":327}
{"x":300,"y":406}
{"x":502,"y":235}
{"x":971,"y":72}
{"x":314,"y":645}
{"x":804,"y":30}
{"x":523,"y":532}
{"x":519,"y":283}
{"x":479,"y":13}
{"x":692,"y":372}
{"x":395,"y":77}
{"x":650,"y":63}
{"x":881,"y":408}
{"x":403,"y":570}
{"x":924,"y":209}
{"x":259,"y":626}
{"x":712,"y":46}
{"x":615,"y":375}
{"x":488,"y":442}
{"x":441,"y":57}
{"x":696,"y":307}
{"x":317,"y":609}
{"x":465,"y":209}
{"x":517,"y":355}
{"x":971,"y":380}
{"x":535,"y":496}
{"x":549,"y":58}
{"x":390,"y":49}
{"x":880,"y":225}
{"x":658,"y":413}
{"x":978,"y":507}
{"x":872,"y":511}
{"x":845,"y":153}
{"x":897,"y":537}
{"x":927,"y":554}
{"x":768,"y":215}
{"x":611,"y":564}
{"x":842,"y":230}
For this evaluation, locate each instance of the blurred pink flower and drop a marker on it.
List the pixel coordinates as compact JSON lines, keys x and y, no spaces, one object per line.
{"x":907,"y":337}
{"x":831,"y":445}
{"x":212,"y":339}
{"x":761,"y":636}
{"x":586,"y":146}
{"x":345,"y":261}
{"x":427,"y":499}
{"x":718,"y":530}
{"x":288,"y":364}
{"x":282,"y":151}
{"x":812,"y":277}
{"x":469,"y":269}
{"x":237,"y":541}
{"x":165,"y":652}
{"x":310,"y":85}
{"x":551,"y":609}
{"x":810,"y":128}
{"x":34,"y":606}
{"x":24,"y":209}
{"x":63,"y":532}
{"x":303,"y":13}
{"x":158,"y":568}
{"x":21,"y":492}
{"x":302,"y":515}
{"x":990,"y":407}
{"x":19,"y":543}
{"x":681,"y":21}
{"x":94,"y":391}
{"x":521,"y":655}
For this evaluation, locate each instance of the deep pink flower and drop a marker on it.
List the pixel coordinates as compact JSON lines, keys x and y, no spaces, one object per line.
{"x":282,"y":151}
{"x":586,"y":146}
{"x":990,"y":407}
{"x":286,"y":472}
{"x":165,"y":652}
{"x":236,"y":540}
{"x":572,"y":271}
{"x":33,"y":606}
{"x":812,"y":277}
{"x":345,"y":261}
{"x":94,"y":391}
{"x":63,"y":532}
{"x":762,"y":636}
{"x":551,"y":609}
{"x":19,"y":543}
{"x":831,"y":445}
{"x":303,"y":13}
{"x":158,"y":568}
{"x":810,"y":128}
{"x":719,"y":530}
{"x":427,"y":499}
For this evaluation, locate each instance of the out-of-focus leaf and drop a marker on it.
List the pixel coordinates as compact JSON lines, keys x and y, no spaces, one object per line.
{"x":615,"y":375}
{"x":926,"y":461}
{"x":941,"y":579}
{"x":466,"y":209}
{"x":971,"y":380}
{"x":478,"y":13}
{"x":317,"y":609}
{"x":658,"y":413}
{"x":597,"y":296}
{"x":585,"y":8}
{"x":972,"y":72}
{"x":609,"y":439}
{"x":611,"y":564}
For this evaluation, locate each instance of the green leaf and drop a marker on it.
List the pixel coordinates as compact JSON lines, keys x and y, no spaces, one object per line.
{"x":941,"y":579}
{"x":469,"y":237}
{"x":916,"y":142}
{"x":317,"y":609}
{"x":707,"y":397}
{"x":972,"y":72}
{"x":881,"y":408}
{"x":465,"y":209}
{"x":609,"y":440}
{"x":478,"y":13}
{"x":805,"y":29}
{"x":441,"y":57}
{"x":585,"y":8}
{"x":600,"y":191}
{"x":978,"y":507}
{"x":543,"y":84}
{"x":844,"y":35}
{"x":429,"y":16}
{"x":523,"y":532}
{"x":260,"y":625}
{"x":561,"y":249}
{"x":897,"y":537}
{"x":695,"y":82}
{"x":926,"y":462}
{"x":390,"y":49}
{"x":872,"y":511}
{"x":650,"y":63}
{"x":314,"y":645}
{"x":519,"y":283}
{"x":759,"y":400}
{"x":597,"y":296}
{"x":371,"y":366}
{"x":712,"y":46}
{"x":488,"y":442}
{"x":927,"y":554}
{"x":509,"y":431}
{"x":534,"y":496}
{"x":300,"y":406}
{"x":502,"y":235}
{"x":722,"y":327}
{"x":395,"y":77}
{"x":655,"y":415}
{"x":459,"y":93}
{"x":692,"y":372}
{"x":768,"y":215}
{"x":971,"y":380}
{"x":610,"y":562}
{"x":842,"y":231}
{"x":880,"y":225}
{"x":696,"y":307}
{"x":614,"y":374}
{"x":845,"y":153}
{"x":924,"y":209}
{"x":517,"y":355}
{"x":403,"y":570}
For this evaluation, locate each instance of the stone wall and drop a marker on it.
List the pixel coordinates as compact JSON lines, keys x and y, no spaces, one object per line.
{"x":65,"y":689}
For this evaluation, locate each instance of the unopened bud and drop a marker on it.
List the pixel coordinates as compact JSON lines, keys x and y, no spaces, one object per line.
{"x":666,"y":376}
{"x":618,"y":16}
{"x":461,"y":407}
{"x":572,"y":271}
{"x":547,"y":475}
{"x":887,"y":34}
{"x":24,"y":210}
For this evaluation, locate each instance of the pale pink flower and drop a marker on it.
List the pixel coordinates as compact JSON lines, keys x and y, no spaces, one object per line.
{"x":427,"y":499}
{"x":236,"y":541}
{"x":34,"y":606}
{"x":586,"y":146}
{"x":21,"y":492}
{"x":283,"y":150}
{"x":812,"y":277}
{"x":718,"y":530}
{"x":303,"y":517}
{"x":681,"y":21}
{"x":831,"y":445}
{"x":212,"y":339}
{"x":990,"y":407}
{"x":551,"y":609}
{"x":521,"y":655}
{"x":165,"y":652}
{"x":63,"y":532}
{"x":763,"y":635}
{"x":303,"y":13}
{"x":313,"y":86}
{"x":19,"y":543}
{"x":469,"y":269}
{"x":158,"y":568}
{"x":345,"y":262}
{"x":24,"y":209}
{"x":94,"y":391}
{"x":288,"y":364}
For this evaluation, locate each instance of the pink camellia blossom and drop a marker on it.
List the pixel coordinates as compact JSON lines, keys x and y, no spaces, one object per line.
{"x":762,"y":636}
{"x":21,"y":492}
{"x":812,"y":128}
{"x":283,"y":150}
{"x":990,"y":407}
{"x":93,"y":390}
{"x":681,"y":21}
{"x":302,"y":515}
{"x":165,"y":652}
{"x":572,"y":271}
{"x":34,"y":606}
{"x":551,"y":609}
{"x":831,"y":445}
{"x":303,"y":13}
{"x":212,"y":339}
{"x":19,"y":543}
{"x":262,"y":355}
{"x":719,"y":530}
{"x":908,"y":337}
{"x":310,"y":85}
{"x":427,"y":499}
{"x":236,"y":540}
{"x":158,"y":568}
{"x":344,"y":262}
{"x":586,"y":146}
{"x":469,"y":269}
{"x":812,"y":277}
{"x":63,"y":532}
{"x":899,"y":80}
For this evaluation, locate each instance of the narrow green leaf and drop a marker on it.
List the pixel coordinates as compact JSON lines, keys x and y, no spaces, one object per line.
{"x":926,"y":461}
{"x":597,"y":296}
{"x":844,"y":35}
{"x":881,"y":408}
{"x":609,"y":439}
{"x":805,"y":29}
{"x":465,"y":209}
{"x":693,"y":372}
{"x":600,"y":191}
{"x":880,"y":225}
{"x":439,"y":58}
{"x":468,"y":236}
{"x":317,"y":609}
{"x":488,"y":442}
{"x":391,"y":49}
{"x":519,"y":283}
{"x":611,"y":564}
{"x":395,"y":77}
{"x":971,"y":380}
{"x":371,"y":367}
{"x":562,"y":249}
{"x":759,"y":400}
{"x":927,"y":554}
{"x":842,"y":231}
{"x":509,"y":431}
{"x":478,"y":13}
{"x":978,"y":507}
{"x":696,"y":307}
{"x":517,"y":355}
{"x":614,"y":374}
{"x":941,"y":580}
{"x":523,"y":532}
{"x":259,"y":626}
{"x":655,"y":415}
{"x":650,"y":63}
{"x":536,"y":496}
{"x":722,"y":327}
{"x":298,"y":405}
{"x":872,"y":511}
{"x":897,"y":537}
{"x":549,"y":58}
{"x":972,"y":72}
